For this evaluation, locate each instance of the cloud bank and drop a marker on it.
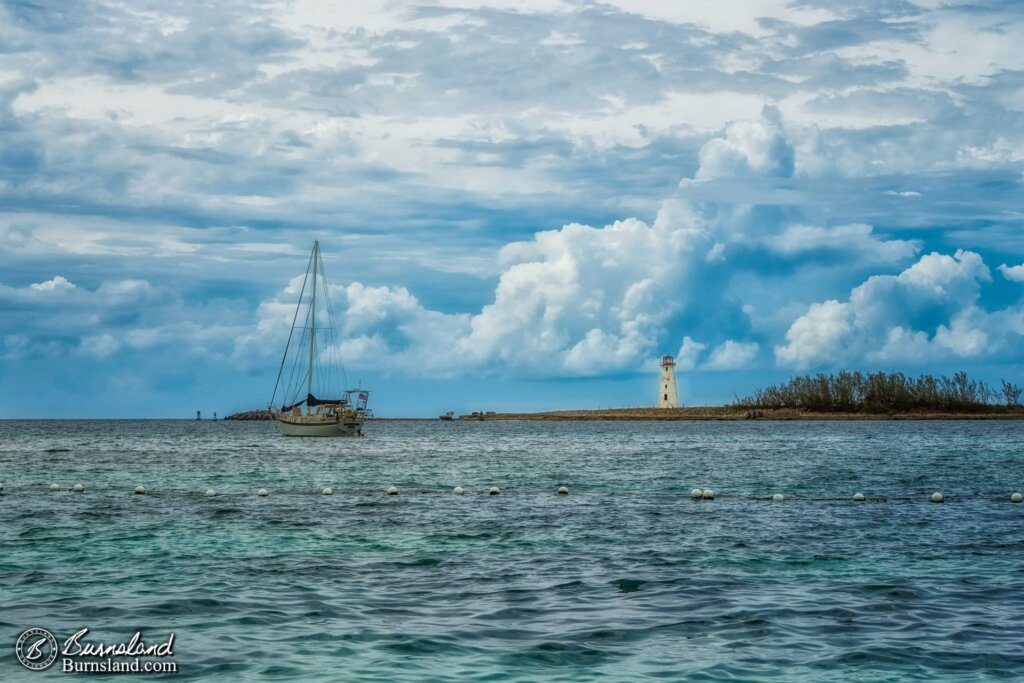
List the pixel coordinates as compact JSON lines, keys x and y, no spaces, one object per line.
{"x":591,"y":301}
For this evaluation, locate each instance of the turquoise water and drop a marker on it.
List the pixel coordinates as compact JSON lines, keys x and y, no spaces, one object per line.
{"x":625,"y":578}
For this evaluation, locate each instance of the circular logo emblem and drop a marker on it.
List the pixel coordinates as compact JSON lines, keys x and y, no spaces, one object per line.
{"x":36,"y":649}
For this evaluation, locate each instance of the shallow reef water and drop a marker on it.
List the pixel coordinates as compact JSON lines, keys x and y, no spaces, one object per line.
{"x":625,"y":578}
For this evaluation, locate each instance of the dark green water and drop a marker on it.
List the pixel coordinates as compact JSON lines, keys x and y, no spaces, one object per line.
{"x":625,"y":578}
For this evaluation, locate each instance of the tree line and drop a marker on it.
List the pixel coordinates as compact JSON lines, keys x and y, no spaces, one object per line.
{"x":885,"y":392}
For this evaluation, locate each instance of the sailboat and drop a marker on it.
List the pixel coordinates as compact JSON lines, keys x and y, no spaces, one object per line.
{"x":314,"y":364}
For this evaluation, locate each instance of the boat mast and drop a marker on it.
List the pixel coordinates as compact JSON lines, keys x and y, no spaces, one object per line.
{"x":312,"y":324}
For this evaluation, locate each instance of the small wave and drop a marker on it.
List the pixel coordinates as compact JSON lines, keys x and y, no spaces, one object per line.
{"x":559,"y":655}
{"x":419,"y":562}
{"x":628,"y":585}
{"x":416,"y":646}
{"x":186,"y":606}
{"x":224,"y":513}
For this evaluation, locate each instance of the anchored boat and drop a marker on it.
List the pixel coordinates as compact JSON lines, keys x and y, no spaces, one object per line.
{"x":315,"y":365}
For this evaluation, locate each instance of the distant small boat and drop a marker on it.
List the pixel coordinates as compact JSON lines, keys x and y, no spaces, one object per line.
{"x":312,"y":367}
{"x":447,"y":417}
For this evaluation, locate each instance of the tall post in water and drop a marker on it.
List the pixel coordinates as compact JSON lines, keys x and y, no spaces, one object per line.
{"x":312,"y":324}
{"x":667,"y":395}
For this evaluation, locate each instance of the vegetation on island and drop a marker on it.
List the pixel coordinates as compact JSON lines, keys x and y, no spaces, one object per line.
{"x":885,"y":392}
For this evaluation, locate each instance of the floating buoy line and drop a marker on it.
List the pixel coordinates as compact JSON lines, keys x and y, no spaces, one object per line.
{"x":697,"y":494}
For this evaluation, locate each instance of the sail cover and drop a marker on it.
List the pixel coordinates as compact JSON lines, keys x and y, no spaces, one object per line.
{"x":312,"y":400}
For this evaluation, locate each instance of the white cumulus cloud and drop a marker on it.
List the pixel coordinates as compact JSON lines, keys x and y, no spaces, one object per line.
{"x":689,"y":354}
{"x":814,"y":337}
{"x":58,"y":283}
{"x":748,"y":148}
{"x":852,"y":241}
{"x":732,"y":355}
{"x":928,"y":312}
{"x":1012,"y":273}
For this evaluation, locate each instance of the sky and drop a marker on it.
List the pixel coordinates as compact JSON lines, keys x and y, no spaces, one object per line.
{"x":521,"y":205}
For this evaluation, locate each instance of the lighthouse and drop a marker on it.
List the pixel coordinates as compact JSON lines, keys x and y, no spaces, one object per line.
{"x":667,"y":396}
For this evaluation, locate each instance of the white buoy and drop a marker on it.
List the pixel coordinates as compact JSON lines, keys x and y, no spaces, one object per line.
{"x":210,"y":493}
{"x":78,"y":488}
{"x":937,"y":497}
{"x":707,"y":494}
{"x":858,"y":497}
{"x":563,"y":490}
{"x":263,"y":493}
{"x":140,"y":490}
{"x":1015,"y":498}
{"x":696,"y":493}
{"x":458,"y":490}
{"x":328,"y":491}
{"x":54,"y":487}
{"x":392,"y":491}
{"x":778,"y":498}
{"x":494,"y":491}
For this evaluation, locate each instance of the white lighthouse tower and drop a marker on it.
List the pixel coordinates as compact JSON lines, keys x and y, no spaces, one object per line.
{"x":667,"y":396}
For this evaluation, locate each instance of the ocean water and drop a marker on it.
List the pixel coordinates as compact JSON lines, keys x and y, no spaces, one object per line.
{"x":626,"y":578}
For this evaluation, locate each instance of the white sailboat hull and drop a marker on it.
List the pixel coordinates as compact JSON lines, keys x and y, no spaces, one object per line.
{"x":309,"y":426}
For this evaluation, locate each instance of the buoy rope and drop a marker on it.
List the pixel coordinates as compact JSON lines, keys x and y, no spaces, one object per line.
{"x":7,"y":490}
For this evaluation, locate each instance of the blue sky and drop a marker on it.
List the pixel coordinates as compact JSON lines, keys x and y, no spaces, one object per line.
{"x":522,"y":205}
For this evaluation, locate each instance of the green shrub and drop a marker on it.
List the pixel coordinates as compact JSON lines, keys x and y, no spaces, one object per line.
{"x":883,"y":392}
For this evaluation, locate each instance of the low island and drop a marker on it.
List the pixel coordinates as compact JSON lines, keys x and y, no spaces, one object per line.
{"x":737,"y":413}
{"x":841,"y":396}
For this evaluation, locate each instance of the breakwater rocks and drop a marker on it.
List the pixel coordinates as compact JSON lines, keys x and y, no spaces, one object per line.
{"x":250,"y":415}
